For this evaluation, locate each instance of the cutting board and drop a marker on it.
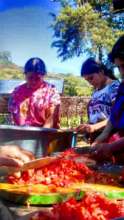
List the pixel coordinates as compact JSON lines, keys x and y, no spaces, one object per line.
{"x":109,"y":191}
{"x":36,"y":194}
{"x":47,"y":195}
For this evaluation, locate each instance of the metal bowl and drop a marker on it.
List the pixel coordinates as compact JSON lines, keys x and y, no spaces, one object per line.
{"x":41,"y":141}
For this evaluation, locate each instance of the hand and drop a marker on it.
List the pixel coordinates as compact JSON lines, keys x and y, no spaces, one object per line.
{"x":95,"y":143}
{"x":86,"y":128}
{"x":102,"y":152}
{"x":12,"y":155}
{"x":81,"y":128}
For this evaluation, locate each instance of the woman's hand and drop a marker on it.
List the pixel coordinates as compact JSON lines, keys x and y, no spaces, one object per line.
{"x":102,"y":152}
{"x":89,"y":128}
{"x":96,"y":142}
{"x":12,"y":155}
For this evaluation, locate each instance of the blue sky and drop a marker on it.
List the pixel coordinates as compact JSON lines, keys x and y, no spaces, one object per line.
{"x":25,"y":33}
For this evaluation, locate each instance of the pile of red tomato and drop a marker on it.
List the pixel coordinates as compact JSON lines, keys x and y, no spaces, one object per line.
{"x":93,"y":206}
{"x":63,"y":172}
{"x":59,"y":173}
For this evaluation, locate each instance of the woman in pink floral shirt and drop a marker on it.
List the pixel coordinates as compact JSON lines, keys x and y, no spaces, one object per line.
{"x":36,"y":102}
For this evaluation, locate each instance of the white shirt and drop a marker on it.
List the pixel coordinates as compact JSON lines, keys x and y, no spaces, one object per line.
{"x":99,"y":107}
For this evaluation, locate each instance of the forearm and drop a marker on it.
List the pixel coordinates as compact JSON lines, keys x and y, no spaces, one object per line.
{"x":117,"y":146}
{"x":48,"y":123}
{"x":50,"y":117}
{"x":105,"y":134}
{"x":100,"y":125}
{"x":53,"y":120}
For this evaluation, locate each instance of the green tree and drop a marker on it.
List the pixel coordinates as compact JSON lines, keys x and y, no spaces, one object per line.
{"x":75,"y":86}
{"x":5,"y":57}
{"x":83,"y":26}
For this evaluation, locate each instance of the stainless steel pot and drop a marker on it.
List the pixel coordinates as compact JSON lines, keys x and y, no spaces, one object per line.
{"x":41,"y":141}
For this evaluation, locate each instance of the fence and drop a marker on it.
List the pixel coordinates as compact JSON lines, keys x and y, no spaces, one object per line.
{"x":72,"y":108}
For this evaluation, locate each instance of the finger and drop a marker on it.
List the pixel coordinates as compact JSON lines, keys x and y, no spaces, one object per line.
{"x":29,"y":154}
{"x":9,"y":150}
{"x":73,"y":129}
{"x":80,"y":128}
{"x":77,"y":127}
{"x":95,"y":155}
{"x":19,"y":162}
{"x":15,"y":156}
{"x":6,"y":161}
{"x":95,"y":152}
{"x":22,"y":157}
{"x":21,"y":151}
{"x":88,"y":129}
{"x":17,"y":174}
{"x":20,"y":154}
{"x":94,"y":144}
{"x":94,"y":148}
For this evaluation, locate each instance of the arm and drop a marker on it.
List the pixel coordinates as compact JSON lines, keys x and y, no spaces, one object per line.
{"x":100,"y":125}
{"x":49,"y":122}
{"x":11,"y":108}
{"x":90,"y":128}
{"x":12,"y":155}
{"x":52,"y":120}
{"x":53,"y":110}
{"x":105,"y":134}
{"x":106,"y":151}
{"x":117,"y":146}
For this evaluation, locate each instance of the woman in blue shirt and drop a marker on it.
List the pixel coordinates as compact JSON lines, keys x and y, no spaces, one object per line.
{"x":102,"y":99}
{"x":116,"y":121}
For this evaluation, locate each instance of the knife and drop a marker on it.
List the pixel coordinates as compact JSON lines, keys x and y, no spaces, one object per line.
{"x":84,"y":150}
{"x":37,"y":163}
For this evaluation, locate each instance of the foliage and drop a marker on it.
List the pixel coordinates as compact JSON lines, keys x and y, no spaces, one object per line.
{"x":5,"y":57}
{"x":72,"y":121}
{"x":10,"y":73}
{"x":9,"y":70}
{"x":75,"y":86}
{"x":84,"y":26}
{"x":3,"y":118}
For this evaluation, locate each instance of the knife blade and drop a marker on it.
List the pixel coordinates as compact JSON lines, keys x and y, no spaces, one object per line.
{"x":37,"y":163}
{"x":40,"y":162}
{"x":84,"y":150}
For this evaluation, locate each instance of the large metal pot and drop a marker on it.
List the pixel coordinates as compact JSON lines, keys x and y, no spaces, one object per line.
{"x":41,"y":141}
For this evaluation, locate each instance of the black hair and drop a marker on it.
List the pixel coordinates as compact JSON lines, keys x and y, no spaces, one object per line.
{"x":91,"y":66}
{"x":36,"y":65}
{"x":117,"y":50}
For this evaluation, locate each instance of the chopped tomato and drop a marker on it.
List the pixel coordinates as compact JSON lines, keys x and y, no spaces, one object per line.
{"x":92,"y":207}
{"x":63,"y":172}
